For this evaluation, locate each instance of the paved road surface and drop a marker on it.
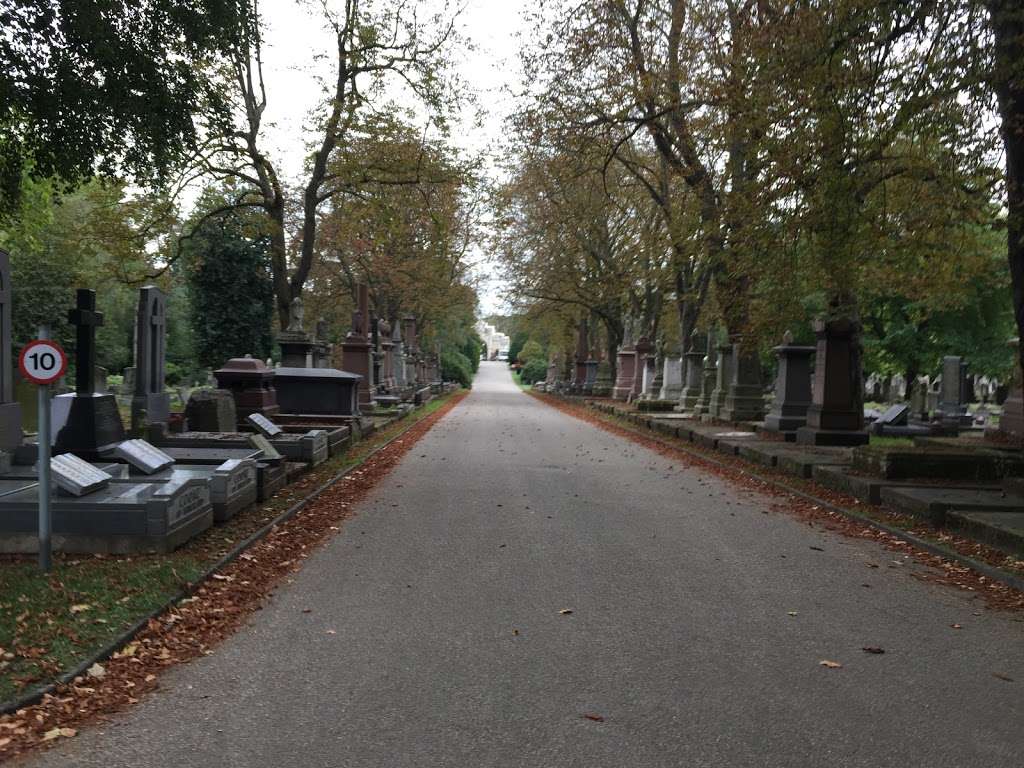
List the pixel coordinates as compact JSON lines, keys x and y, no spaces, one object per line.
{"x":680,"y":635}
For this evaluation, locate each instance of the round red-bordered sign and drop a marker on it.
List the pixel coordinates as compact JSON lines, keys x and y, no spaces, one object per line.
{"x":42,"y":361}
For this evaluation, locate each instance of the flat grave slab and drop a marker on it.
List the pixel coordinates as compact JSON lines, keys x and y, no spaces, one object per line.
{"x":933,"y":503}
{"x":868,"y":489}
{"x":144,"y":456}
{"x":123,"y":518}
{"x":234,"y":485}
{"x":310,"y":447}
{"x":1003,"y":530}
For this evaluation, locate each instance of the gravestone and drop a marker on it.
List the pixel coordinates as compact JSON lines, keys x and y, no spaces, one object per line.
{"x":10,"y":409}
{"x":672,"y":378}
{"x":398,"y":355}
{"x":744,"y":399}
{"x":150,"y":404}
{"x":952,"y":408}
{"x":918,"y":400}
{"x":317,"y":391}
{"x":411,"y":343}
{"x":321,"y":347}
{"x":144,"y":457}
{"x":579,"y":369}
{"x":76,"y":476}
{"x":263,"y":425}
{"x":211,"y":410}
{"x":296,"y":346}
{"x":693,"y":373}
{"x":709,"y":374}
{"x":643,"y":349}
{"x":723,"y":374}
{"x":85,"y":423}
{"x":836,"y":416}
{"x":605,"y":381}
{"x":356,"y":350}
{"x":1011,"y":422}
{"x":590,"y":378}
{"x":792,"y":387}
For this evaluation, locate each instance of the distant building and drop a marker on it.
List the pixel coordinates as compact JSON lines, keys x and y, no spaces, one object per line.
{"x":497,"y":343}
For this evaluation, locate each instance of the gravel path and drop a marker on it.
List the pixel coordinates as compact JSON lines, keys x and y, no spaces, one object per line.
{"x":438,"y":631}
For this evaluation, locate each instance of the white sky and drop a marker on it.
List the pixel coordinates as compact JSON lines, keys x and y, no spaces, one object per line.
{"x":295,"y":36}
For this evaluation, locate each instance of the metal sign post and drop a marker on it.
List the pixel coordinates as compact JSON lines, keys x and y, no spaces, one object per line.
{"x":43,"y":362}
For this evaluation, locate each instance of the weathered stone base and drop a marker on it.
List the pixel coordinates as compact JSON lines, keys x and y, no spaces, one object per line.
{"x":814,"y":436}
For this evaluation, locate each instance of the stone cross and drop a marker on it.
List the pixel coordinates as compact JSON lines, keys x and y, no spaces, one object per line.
{"x":86,"y":320}
{"x":151,"y":340}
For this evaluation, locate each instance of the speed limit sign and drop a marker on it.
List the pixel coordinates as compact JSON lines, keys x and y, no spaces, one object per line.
{"x":42,"y":361}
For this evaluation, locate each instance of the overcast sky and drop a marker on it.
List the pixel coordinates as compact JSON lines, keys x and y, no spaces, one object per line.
{"x":295,"y":36}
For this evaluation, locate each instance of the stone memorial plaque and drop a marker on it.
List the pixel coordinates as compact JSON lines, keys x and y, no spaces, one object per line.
{"x":76,"y":476}
{"x":146,"y":458}
{"x":261,"y":442}
{"x":895,"y":416}
{"x":264,"y":426}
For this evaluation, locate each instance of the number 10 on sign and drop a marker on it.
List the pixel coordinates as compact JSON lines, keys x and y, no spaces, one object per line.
{"x":43,"y":362}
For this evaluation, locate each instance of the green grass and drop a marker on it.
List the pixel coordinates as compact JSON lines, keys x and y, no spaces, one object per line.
{"x":111,"y":593}
{"x":879,"y":441}
{"x":519,"y":381}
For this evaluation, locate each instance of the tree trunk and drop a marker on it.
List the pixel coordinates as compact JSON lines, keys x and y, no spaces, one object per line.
{"x":1007,"y":19}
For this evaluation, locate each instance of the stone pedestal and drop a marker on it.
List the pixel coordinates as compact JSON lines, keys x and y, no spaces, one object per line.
{"x":744,"y":398}
{"x":296,"y":349}
{"x":708,"y":374}
{"x":625,"y":373}
{"x":723,"y":374}
{"x":644,"y":349}
{"x":1011,"y":423}
{"x":689,"y":395}
{"x":792,"y":388}
{"x":835,"y":416}
{"x":251,"y":384}
{"x":671,"y":379}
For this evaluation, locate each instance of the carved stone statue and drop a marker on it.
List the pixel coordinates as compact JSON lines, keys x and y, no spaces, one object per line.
{"x":321,"y":329}
{"x":296,"y":316}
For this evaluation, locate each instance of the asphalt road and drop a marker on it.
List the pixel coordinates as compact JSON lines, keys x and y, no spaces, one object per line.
{"x":450,"y":649}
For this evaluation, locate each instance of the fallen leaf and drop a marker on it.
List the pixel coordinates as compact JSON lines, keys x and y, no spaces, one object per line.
{"x":331,"y":632}
{"x":57,"y":733}
{"x":955,"y":626}
{"x":515,"y":632}
{"x":595,"y":718}
{"x":565,"y":611}
{"x":5,"y":741}
{"x":222,"y":577}
{"x":792,"y":613}
{"x":817,"y":549}
{"x":1004,"y":678}
{"x":96,"y":670}
{"x":80,"y":607}
{"x":872,"y":649}
{"x":127,"y":651}
{"x":830,"y":664}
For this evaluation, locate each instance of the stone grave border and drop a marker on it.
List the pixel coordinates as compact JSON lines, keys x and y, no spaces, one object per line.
{"x":644,"y":421}
{"x":105,"y":652}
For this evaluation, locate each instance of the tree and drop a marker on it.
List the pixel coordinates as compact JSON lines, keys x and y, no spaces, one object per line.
{"x":375,"y":41}
{"x":228,"y":272}
{"x":106,"y":85}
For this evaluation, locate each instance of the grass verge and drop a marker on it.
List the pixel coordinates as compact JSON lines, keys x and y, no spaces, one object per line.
{"x":49,"y":623}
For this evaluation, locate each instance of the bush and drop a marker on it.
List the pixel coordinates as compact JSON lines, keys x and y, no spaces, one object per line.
{"x":534,"y":370}
{"x":455,"y":366}
{"x":531,"y":351}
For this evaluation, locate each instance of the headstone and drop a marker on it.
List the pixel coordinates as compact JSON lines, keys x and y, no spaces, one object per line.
{"x":604,"y":382}
{"x":1011,"y":422}
{"x":150,"y":403}
{"x":895,"y":416}
{"x":77,"y":476}
{"x":693,"y":373}
{"x":263,"y":425}
{"x":744,"y":399}
{"x":672,"y":378}
{"x":211,"y":410}
{"x":723,"y":375}
{"x":262,"y":443}
{"x":644,"y":348}
{"x":625,"y":362}
{"x":146,"y":458}
{"x":10,"y":409}
{"x":398,"y":355}
{"x":101,"y":383}
{"x":918,"y":400}
{"x":836,"y":416}
{"x":356,"y":350}
{"x":709,"y":374}
{"x":952,"y":403}
{"x":792,"y":387}
{"x":579,"y":369}
{"x":411,"y":343}
{"x":85,"y":423}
